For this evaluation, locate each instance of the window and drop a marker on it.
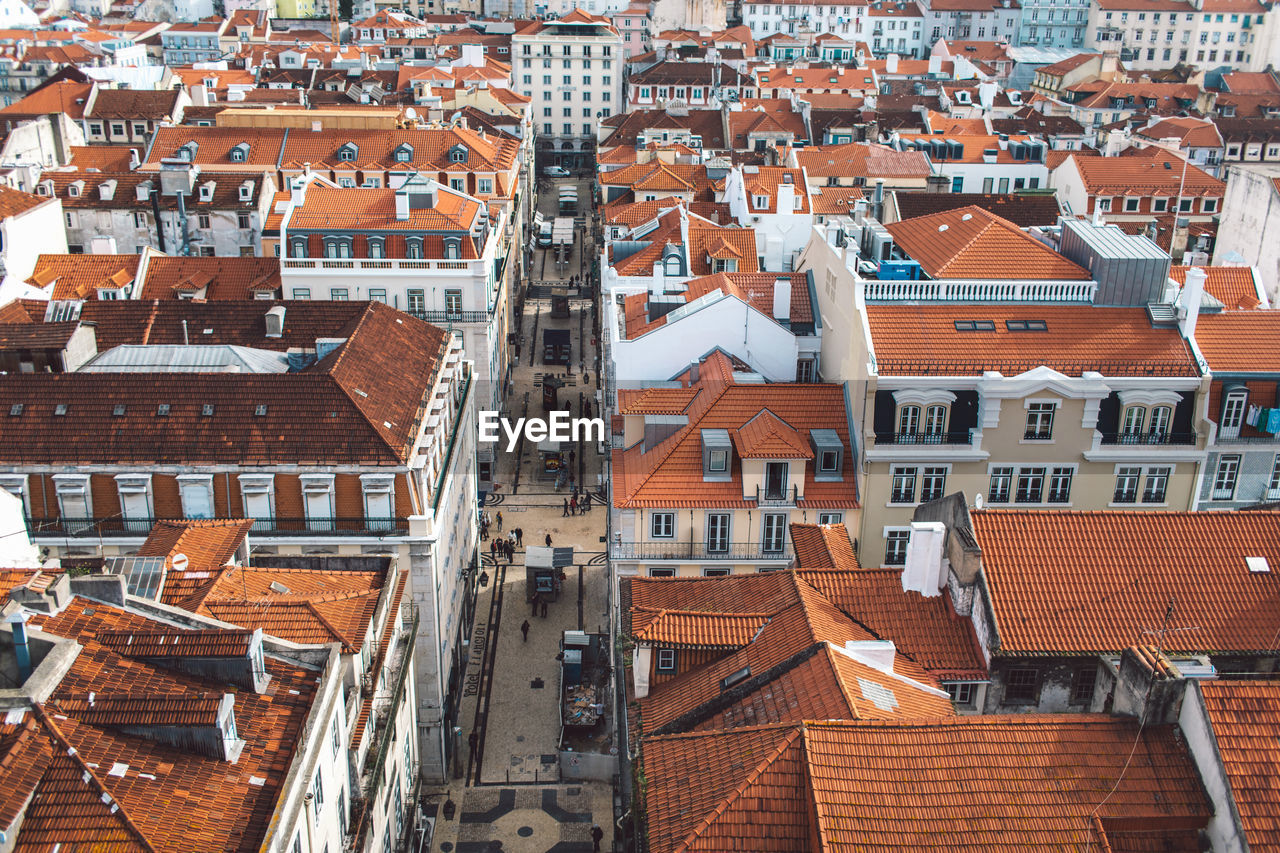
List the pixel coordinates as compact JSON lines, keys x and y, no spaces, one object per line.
{"x":1127,"y":485}
{"x":962,"y":695}
{"x":485,"y":186}
{"x":1039,"y":421}
{"x":908,"y":420}
{"x":317,"y":500}
{"x":715,"y":572}
{"x":1224,"y":478}
{"x":1131,"y":204}
{"x":718,"y":461}
{"x":935,"y":420}
{"x":1001,"y":485}
{"x":829,"y":461}
{"x":1060,"y":485}
{"x":1082,"y":684}
{"x":1030,"y":489}
{"x":416,"y":302}
{"x":1208,"y":205}
{"x":338,"y":294}
{"x":302,"y":293}
{"x":831,"y":518}
{"x":318,"y":790}
{"x":1022,"y":686}
{"x":718,"y":532}
{"x":453,"y":304}
{"x":1157,"y":485}
{"x":413,"y":248}
{"x":666,"y":660}
{"x":1273,"y":485}
{"x":375,"y":247}
{"x":662,"y":573}
{"x":903,"y":488}
{"x":257,"y":492}
{"x":1134,"y":418}
{"x":895,"y":547}
{"x":662,"y":525}
{"x":1232,"y":414}
{"x":774,"y":534}
{"x":933,"y":484}
{"x":1158,"y":427}
{"x":1104,"y":204}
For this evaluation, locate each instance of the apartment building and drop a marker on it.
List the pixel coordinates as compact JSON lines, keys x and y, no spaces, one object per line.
{"x":424,"y":248}
{"x":1153,"y":34}
{"x":1028,"y":380}
{"x":337,"y":428}
{"x":131,"y":116}
{"x":221,"y":214}
{"x":1053,"y":24}
{"x":709,"y":474}
{"x":572,"y":69}
{"x":806,"y":19}
{"x":697,"y":85}
{"x":973,"y":160}
{"x":198,"y":41}
{"x":976,"y":20}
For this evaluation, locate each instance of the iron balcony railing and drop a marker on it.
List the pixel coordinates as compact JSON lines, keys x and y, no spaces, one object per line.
{"x":1149,"y":438}
{"x":958,"y":438}
{"x":777,"y":497}
{"x":699,"y":551}
{"x":278,"y":526}
{"x":451,"y":316}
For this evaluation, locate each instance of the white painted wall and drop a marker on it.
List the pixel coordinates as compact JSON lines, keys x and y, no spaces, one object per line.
{"x":1223,"y":829}
{"x":30,"y":234}
{"x":1250,"y":225}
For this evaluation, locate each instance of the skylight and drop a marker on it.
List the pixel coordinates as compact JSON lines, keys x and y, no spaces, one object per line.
{"x":1026,"y":325}
{"x":975,"y":326}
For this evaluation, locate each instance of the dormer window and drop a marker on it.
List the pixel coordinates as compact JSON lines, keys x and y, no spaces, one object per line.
{"x":43,"y":188}
{"x":240,"y":153}
{"x":298,"y":247}
{"x":188,"y":151}
{"x":716,"y":447}
{"x":761,"y":202}
{"x":75,"y":189}
{"x":452,"y":248}
{"x":376,"y":247}
{"x":206,"y":191}
{"x":403,"y":153}
{"x":458,"y":154}
{"x":246,"y":191}
{"x":413,"y":248}
{"x":828,"y":454}
{"x":348,"y":152}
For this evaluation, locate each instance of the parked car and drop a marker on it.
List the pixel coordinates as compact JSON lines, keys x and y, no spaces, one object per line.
{"x":555,"y":172}
{"x":544,"y":235}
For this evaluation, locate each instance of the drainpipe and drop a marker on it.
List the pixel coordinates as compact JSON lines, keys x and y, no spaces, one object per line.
{"x":21,"y":650}
{"x":155,"y":211}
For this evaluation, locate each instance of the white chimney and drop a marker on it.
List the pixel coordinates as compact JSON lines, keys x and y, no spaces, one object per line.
{"x":643,"y":658}
{"x":657,"y":286}
{"x":786,"y":199}
{"x":275,"y":322}
{"x":782,"y":298}
{"x":935,"y":64}
{"x":891,"y":63}
{"x":1192,"y":292}
{"x":298,"y":191}
{"x":923,"y":571}
{"x":402,"y":206}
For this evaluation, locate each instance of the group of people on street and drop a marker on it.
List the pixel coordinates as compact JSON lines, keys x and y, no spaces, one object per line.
{"x":576,"y":503}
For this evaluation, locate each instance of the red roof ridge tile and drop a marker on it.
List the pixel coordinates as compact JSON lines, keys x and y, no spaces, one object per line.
{"x":347,"y":645}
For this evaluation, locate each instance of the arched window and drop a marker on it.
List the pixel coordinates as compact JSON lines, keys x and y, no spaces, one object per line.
{"x":672,"y":265}
{"x":376,"y":247}
{"x":452,"y":248}
{"x":413,"y":248}
{"x":298,"y":247}
{"x":909,"y":420}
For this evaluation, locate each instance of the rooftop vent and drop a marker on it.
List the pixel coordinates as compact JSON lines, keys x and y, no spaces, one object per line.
{"x":162,"y":410}
{"x":60,"y":409}
{"x":1257,"y":564}
{"x":942,"y":228}
{"x":118,"y":410}
{"x":15,"y":410}
{"x":735,"y":678}
{"x":261,"y":410}
{"x":276,"y":586}
{"x":207,"y":409}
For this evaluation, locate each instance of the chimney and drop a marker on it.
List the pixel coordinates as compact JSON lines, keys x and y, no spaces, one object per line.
{"x":402,"y":205}
{"x":891,"y":64}
{"x":21,"y":650}
{"x":657,"y":286}
{"x":275,"y":322}
{"x":923,"y":571}
{"x":782,"y":299}
{"x":1192,"y":292}
{"x":877,"y":207}
{"x":298,"y":191}
{"x":786,"y":199}
{"x":877,"y":654}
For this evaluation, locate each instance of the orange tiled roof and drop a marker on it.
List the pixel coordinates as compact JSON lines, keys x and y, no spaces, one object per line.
{"x":766,"y":436}
{"x":14,"y":202}
{"x":1152,"y":171}
{"x":65,"y":96}
{"x":367,"y":208}
{"x":823,"y":546}
{"x":1192,"y":132}
{"x":670,"y":474}
{"x":923,"y":339}
{"x":207,"y":544}
{"x":1126,"y":568}
{"x":220,"y":278}
{"x":79,"y":276}
{"x":685,"y":628}
{"x":1240,"y":341}
{"x":162,"y":797}
{"x":971,"y":242}
{"x":104,"y":158}
{"x":655,"y":401}
{"x":1045,"y":783}
{"x":1234,"y":287}
{"x":834,"y":201}
{"x":1245,"y":716}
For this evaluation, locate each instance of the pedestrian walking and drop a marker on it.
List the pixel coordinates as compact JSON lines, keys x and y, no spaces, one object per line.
{"x":524,"y":630}
{"x":597,"y":835}
{"x":565,"y":513}
{"x":472,"y":740}
{"x":544,"y":608}
{"x":548,"y":540}
{"x":493,"y":548}
{"x":499,"y":520}
{"x":573,"y":458}
{"x":519,"y":537}
{"x":537,"y":599}
{"x":586,"y":502}
{"x":573,"y":505}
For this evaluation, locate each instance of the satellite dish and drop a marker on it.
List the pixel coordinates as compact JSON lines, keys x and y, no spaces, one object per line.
{"x":180,"y":562}
{"x":977,"y":501}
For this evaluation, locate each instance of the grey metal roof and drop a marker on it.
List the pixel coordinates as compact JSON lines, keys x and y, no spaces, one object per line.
{"x":1109,"y":241}
{"x":176,"y":358}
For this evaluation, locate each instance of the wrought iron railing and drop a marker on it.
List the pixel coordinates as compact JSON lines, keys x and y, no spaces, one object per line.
{"x":962,"y":438}
{"x":277,"y":526}
{"x":1149,"y":438}
{"x":697,"y":551}
{"x":777,"y":497}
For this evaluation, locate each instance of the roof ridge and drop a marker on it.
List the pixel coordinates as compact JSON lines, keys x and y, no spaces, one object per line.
{"x":784,"y":743}
{"x":89,"y":775}
{"x":346,"y":644}
{"x":981,"y":232}
{"x":673,"y":441}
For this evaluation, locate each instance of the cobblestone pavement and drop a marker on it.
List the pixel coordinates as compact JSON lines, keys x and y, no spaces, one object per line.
{"x":507,"y":793}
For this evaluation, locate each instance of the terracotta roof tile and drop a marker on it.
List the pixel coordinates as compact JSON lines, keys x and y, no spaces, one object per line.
{"x":1151,"y":172}
{"x":79,"y":276}
{"x":1002,"y":783}
{"x":207,"y":544}
{"x":1245,"y":716}
{"x":766,"y":436}
{"x":655,"y":401}
{"x":375,"y":209}
{"x":972,"y":242}
{"x":154,"y":105}
{"x":1234,"y":287}
{"x":823,"y":546}
{"x":222,"y":278}
{"x":923,"y":339}
{"x":1126,"y":568}
{"x":65,"y":96}
{"x":1190,"y":132}
{"x":1023,"y":210}
{"x":106,"y":158}
{"x":15,"y":202}
{"x":1240,"y":341}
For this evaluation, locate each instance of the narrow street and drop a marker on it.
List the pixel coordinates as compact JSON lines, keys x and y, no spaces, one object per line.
{"x":517,"y":789}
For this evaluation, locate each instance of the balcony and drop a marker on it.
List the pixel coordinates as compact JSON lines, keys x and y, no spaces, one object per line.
{"x":777,"y":497}
{"x":697,"y":551}
{"x":439,"y":317}
{"x":954,"y":438}
{"x":1149,"y":438}
{"x":112,"y":526}
{"x":889,"y":290}
{"x":375,"y":266}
